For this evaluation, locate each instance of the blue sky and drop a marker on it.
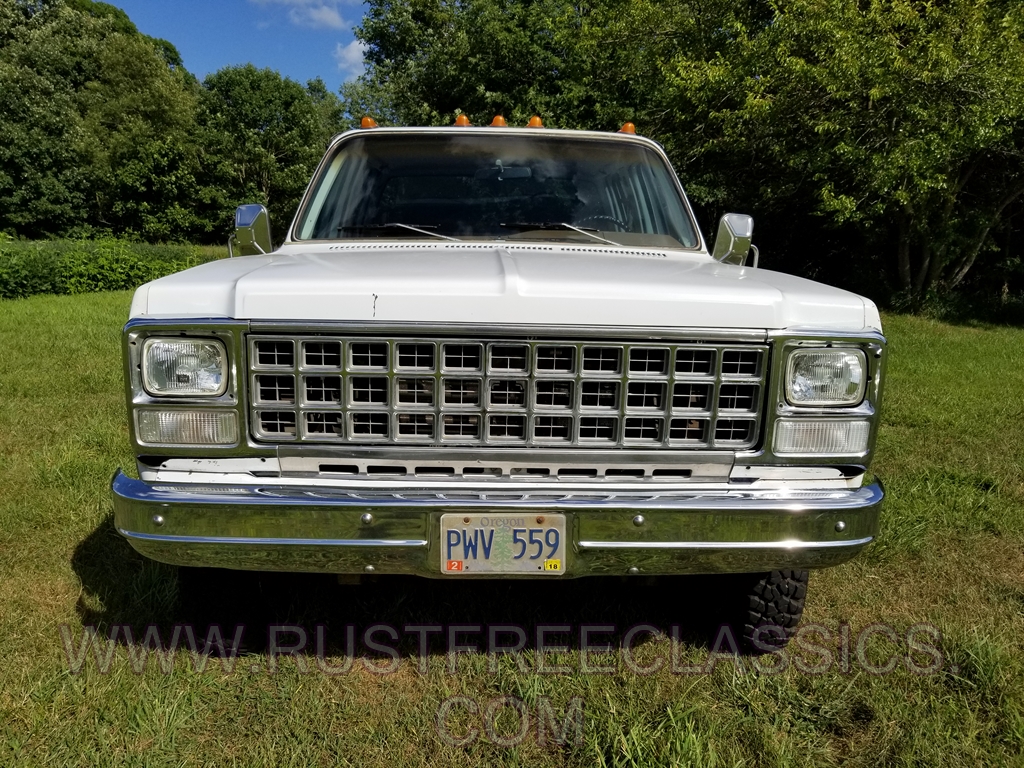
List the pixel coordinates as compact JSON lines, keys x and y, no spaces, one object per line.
{"x":302,"y":39}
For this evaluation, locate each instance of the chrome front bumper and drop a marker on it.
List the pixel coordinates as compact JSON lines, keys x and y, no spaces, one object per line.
{"x":279,"y":528}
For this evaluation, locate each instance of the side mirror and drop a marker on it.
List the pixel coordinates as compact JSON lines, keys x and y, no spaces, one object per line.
{"x":732,"y":244}
{"x":252,"y":231}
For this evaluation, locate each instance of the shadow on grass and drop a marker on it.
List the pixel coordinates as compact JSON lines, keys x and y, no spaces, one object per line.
{"x":122,"y":587}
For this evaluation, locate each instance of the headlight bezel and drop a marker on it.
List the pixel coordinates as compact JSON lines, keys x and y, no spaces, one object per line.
{"x":792,"y":358}
{"x":154,"y":391}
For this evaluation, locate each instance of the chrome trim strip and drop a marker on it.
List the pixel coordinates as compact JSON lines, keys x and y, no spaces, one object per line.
{"x":527,"y":330}
{"x":273,"y":541}
{"x":722,"y":544}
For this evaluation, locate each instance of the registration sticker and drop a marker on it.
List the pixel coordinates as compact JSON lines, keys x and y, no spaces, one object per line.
{"x":499,"y":543}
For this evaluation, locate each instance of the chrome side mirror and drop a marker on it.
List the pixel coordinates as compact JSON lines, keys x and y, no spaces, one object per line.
{"x":252,"y":231}
{"x":732,"y":244}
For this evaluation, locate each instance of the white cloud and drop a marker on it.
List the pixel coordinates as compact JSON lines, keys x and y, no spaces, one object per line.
{"x":319,"y":14}
{"x":350,"y":58}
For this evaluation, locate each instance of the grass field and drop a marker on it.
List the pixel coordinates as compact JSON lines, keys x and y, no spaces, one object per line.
{"x":951,"y":555}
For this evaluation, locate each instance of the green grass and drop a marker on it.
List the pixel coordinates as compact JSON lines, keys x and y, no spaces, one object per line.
{"x":950,"y":554}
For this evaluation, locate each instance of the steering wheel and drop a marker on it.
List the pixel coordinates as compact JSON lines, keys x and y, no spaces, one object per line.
{"x":620,"y":226}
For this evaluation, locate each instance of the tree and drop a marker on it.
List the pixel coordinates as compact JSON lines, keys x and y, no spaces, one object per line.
{"x":263,"y":135}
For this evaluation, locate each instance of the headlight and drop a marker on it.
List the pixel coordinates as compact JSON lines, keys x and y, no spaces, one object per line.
{"x":825,"y":377}
{"x":178,"y":367}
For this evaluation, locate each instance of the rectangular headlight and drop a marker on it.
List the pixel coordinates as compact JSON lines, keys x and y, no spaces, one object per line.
{"x":825,"y":377}
{"x":157,"y":426}
{"x":825,"y":437}
{"x":183,"y":367}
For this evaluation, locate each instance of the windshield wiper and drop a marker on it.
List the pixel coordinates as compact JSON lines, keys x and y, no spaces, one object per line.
{"x":422,"y":229}
{"x":560,"y":225}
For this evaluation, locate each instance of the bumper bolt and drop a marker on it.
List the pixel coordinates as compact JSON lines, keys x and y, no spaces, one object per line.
{"x":367,"y":518}
{"x":638,"y":520}
{"x":158,"y":519}
{"x":369,"y":569}
{"x":634,"y":571}
{"x":840,"y":526}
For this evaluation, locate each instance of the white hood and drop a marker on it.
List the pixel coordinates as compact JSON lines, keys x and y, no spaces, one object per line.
{"x":499,"y":284}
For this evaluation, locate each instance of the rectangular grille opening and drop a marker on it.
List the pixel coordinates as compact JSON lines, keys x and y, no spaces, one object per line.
{"x":737,"y":397}
{"x":537,"y":471}
{"x":275,"y":389}
{"x":370,"y":389}
{"x":593,"y":428}
{"x":385,"y":469}
{"x":555,"y":359}
{"x":416,"y":425}
{"x":599,"y":394}
{"x":575,"y":472}
{"x":733,"y":431}
{"x":459,"y":425}
{"x":623,"y":473}
{"x":368,"y":354}
{"x":322,"y":354}
{"x":462,"y":357}
{"x":324,"y":424}
{"x":552,"y":427}
{"x":691,"y":396}
{"x":680,"y":473}
{"x":508,"y":394}
{"x":416,"y":391}
{"x":695,"y":362}
{"x":508,"y":358}
{"x":418,"y":356}
{"x":602,"y":360}
{"x":506,"y":427}
{"x":645,"y":394}
{"x":462,"y":392}
{"x":740,"y":362}
{"x":323,"y":389}
{"x":339,"y":469}
{"x":554,"y":394}
{"x":275,"y":353}
{"x":644,"y":360}
{"x":444,"y":471}
{"x":688,"y":429}
{"x":489,"y":471}
{"x":370,"y":425}
{"x":645,"y":430}
{"x":278,"y":423}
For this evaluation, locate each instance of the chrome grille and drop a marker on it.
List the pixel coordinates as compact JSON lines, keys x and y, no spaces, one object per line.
{"x":423,"y":391}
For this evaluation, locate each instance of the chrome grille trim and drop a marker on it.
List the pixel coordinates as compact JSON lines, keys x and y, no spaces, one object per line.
{"x":450,"y":391}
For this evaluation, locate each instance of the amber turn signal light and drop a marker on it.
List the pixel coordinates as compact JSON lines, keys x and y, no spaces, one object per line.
{"x":535,"y":122}
{"x":367,"y":122}
{"x":462,"y":120}
{"x":627,"y":128}
{"x":499,"y":122}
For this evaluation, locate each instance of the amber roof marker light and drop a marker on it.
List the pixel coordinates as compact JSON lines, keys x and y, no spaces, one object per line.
{"x":535,"y":122}
{"x":367,"y":122}
{"x":499,"y":122}
{"x":462,"y":121}
{"x":627,"y":128}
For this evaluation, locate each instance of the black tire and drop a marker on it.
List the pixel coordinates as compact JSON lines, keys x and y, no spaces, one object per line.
{"x":774,"y":604}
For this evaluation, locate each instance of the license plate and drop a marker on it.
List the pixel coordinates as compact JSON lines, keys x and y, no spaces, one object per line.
{"x":487,"y":543}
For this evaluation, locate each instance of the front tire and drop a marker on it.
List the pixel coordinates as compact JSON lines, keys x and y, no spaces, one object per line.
{"x":774,"y":604}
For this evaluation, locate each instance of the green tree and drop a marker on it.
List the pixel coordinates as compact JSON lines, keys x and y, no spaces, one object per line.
{"x":263,"y":135}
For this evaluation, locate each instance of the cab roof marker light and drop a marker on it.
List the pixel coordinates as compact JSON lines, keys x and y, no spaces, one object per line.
{"x":462,"y":121}
{"x":367,"y":122}
{"x":535,"y":122}
{"x":499,"y":122}
{"x":627,"y":128}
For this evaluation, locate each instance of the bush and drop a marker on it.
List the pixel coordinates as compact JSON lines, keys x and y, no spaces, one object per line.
{"x":83,"y":266}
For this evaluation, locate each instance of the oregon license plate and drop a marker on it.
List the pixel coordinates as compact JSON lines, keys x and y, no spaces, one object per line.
{"x":500,"y":543}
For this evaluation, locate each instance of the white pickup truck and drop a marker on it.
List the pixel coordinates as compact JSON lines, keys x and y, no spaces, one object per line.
{"x":491,"y":352}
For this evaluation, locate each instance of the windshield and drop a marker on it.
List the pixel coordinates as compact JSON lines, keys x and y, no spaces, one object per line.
{"x":494,"y":186}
